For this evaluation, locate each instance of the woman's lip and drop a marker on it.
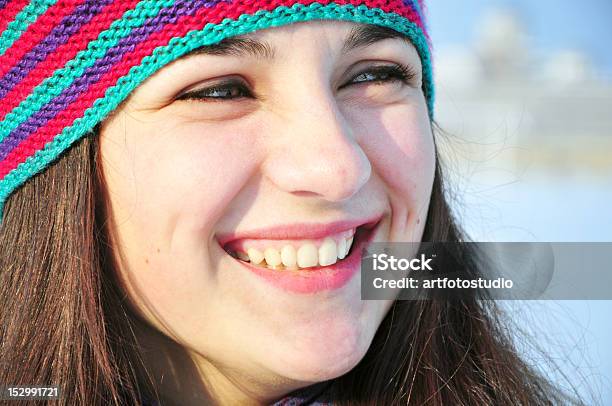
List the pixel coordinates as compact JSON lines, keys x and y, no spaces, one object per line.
{"x":316,"y":279}
{"x":298,"y":231}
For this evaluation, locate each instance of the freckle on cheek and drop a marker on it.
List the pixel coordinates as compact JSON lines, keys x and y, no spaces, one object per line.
{"x":146,"y":260}
{"x":158,"y":250}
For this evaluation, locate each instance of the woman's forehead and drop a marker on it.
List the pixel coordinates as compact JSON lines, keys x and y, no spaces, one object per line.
{"x":334,"y":27}
{"x":344,"y":36}
{"x":309,"y":42}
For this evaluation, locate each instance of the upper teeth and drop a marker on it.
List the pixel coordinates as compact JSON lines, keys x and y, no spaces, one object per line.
{"x":305,"y":255}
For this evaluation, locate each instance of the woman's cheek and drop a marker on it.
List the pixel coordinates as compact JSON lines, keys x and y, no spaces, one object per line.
{"x":400,"y":145}
{"x":198,"y":170}
{"x":168,"y":186}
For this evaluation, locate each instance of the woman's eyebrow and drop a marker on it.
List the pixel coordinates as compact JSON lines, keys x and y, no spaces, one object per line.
{"x":243,"y":46}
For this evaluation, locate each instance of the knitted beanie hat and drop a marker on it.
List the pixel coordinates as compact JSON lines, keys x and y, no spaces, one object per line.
{"x":66,"y":64}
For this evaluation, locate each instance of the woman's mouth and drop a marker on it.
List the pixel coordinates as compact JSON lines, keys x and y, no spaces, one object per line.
{"x":293,"y":254}
{"x":324,"y":261}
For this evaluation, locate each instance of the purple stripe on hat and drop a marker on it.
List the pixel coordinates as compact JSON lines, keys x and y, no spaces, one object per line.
{"x":60,"y":34}
{"x":3,"y":3}
{"x":99,"y":68}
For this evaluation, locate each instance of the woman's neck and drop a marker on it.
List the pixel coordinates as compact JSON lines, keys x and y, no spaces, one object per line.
{"x":184,"y":378}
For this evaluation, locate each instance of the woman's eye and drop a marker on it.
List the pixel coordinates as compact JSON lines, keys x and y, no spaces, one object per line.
{"x":383,"y":74}
{"x":220,"y":92}
{"x":234,"y":90}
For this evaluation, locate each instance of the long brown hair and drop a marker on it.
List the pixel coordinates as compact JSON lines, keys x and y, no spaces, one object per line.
{"x":64,"y":318}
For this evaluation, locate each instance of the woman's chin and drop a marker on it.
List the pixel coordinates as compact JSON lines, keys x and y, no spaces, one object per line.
{"x":323,"y":354}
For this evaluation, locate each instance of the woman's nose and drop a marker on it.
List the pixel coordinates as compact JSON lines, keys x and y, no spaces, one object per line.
{"x":315,"y":153}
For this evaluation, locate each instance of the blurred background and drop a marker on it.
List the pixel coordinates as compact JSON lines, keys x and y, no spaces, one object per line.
{"x":524,"y":93}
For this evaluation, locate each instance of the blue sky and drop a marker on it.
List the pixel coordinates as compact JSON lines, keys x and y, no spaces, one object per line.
{"x":551,"y":24}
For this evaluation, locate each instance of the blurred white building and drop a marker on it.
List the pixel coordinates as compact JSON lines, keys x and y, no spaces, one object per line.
{"x":500,"y":96}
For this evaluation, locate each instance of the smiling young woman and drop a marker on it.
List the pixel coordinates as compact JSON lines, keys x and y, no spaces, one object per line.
{"x":188,"y":187}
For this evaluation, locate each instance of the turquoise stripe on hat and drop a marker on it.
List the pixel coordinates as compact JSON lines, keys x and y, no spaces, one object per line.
{"x":22,"y":21}
{"x":62,"y":78}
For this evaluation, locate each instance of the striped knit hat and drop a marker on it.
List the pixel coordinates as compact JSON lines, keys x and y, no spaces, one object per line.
{"x":66,"y":64}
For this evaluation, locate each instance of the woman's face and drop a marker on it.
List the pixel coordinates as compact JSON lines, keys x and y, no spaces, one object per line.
{"x":224,"y":154}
